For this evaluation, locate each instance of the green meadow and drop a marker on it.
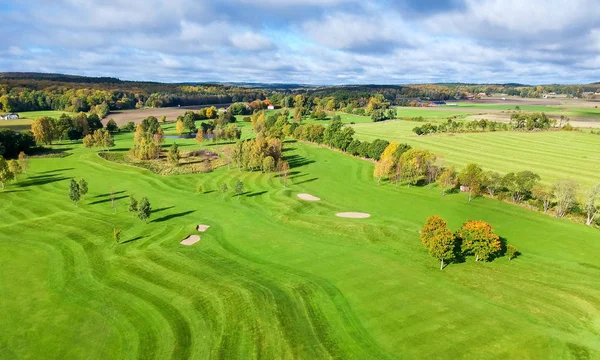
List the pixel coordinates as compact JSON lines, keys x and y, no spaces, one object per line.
{"x":552,"y":154}
{"x":277,"y":277}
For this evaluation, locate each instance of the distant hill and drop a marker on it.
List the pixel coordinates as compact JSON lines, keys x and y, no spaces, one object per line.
{"x":58,"y":77}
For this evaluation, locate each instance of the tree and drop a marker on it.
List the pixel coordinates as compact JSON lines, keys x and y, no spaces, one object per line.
{"x":447,"y":180}
{"x":239,"y":188}
{"x":519,"y":185}
{"x":179,"y":127}
{"x":384,"y":166}
{"x":111,"y":126}
{"x":133,"y":204}
{"x":43,"y":130}
{"x":565,"y":192}
{"x":106,"y":141}
{"x":511,"y":252}
{"x":5,"y":173}
{"x":543,"y":194}
{"x":199,"y":188}
{"x":117,"y":234}
{"x":285,"y":171}
{"x":15,"y":168}
{"x":589,"y":206}
{"x":74,"y":193}
{"x":24,"y":161}
{"x":478,"y":238}
{"x":88,"y":141}
{"x":471,"y":176}
{"x":443,"y":247}
{"x":224,"y":189}
{"x":163,"y":119}
{"x":268,"y":164}
{"x":434,"y":225}
{"x":83,"y":187}
{"x":144,"y":209}
{"x":173,"y":155}
{"x":200,"y":136}
{"x":492,"y":182}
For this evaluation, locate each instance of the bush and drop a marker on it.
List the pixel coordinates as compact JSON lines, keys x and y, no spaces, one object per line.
{"x":246,"y":119}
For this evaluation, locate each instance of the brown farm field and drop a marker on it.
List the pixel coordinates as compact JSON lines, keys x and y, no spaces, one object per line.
{"x":125,"y":116}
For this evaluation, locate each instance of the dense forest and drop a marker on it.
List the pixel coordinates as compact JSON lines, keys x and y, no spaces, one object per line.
{"x":35,"y":91}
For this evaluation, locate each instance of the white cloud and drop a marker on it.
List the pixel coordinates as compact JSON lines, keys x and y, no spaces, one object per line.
{"x":251,"y":41}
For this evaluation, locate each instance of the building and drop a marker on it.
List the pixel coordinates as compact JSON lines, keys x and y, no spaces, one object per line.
{"x":9,"y":116}
{"x":271,"y":107}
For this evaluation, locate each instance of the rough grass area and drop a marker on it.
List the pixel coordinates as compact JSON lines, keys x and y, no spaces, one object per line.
{"x":277,"y":277}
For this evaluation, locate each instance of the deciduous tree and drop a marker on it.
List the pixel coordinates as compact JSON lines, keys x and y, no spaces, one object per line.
{"x":544,"y":195}
{"x":133,"y":204}
{"x":471,"y":176}
{"x":24,"y":161}
{"x":15,"y":168}
{"x":239,"y":188}
{"x":144,"y":209}
{"x":565,"y":193}
{"x":5,"y":173}
{"x":179,"y":127}
{"x":74,"y":193}
{"x":447,"y":180}
{"x":43,"y":130}
{"x":83,"y":187}
{"x":478,"y":238}
{"x":511,"y":252}
{"x":173,"y":155}
{"x":590,"y":198}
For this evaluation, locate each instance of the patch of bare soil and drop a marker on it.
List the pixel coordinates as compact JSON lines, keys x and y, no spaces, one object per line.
{"x":190,"y":240}
{"x":353,"y":215}
{"x":308,"y":197}
{"x":124,"y":116}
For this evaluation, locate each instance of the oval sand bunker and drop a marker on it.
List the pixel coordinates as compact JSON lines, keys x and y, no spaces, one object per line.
{"x":190,"y":240}
{"x":308,"y":197}
{"x":202,"y":228}
{"x":353,"y":215}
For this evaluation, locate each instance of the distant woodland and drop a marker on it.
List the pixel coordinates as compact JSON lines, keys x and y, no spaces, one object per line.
{"x":35,"y":91}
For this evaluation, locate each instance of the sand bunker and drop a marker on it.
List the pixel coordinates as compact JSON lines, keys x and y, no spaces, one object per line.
{"x":190,"y":240}
{"x":308,"y":197}
{"x":202,"y":228}
{"x":353,"y":215}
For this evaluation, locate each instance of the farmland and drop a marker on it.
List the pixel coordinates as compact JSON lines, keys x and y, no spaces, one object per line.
{"x":276,"y":277}
{"x":553,"y":155}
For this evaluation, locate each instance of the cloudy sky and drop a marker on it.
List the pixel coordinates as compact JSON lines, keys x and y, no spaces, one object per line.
{"x":306,"y":41}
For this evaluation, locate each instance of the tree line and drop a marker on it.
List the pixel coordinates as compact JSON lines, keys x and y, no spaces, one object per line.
{"x":518,"y":122}
{"x":401,"y":164}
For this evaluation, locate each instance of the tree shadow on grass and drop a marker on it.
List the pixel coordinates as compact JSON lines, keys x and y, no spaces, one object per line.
{"x":257,"y":193}
{"x":42,"y":181}
{"x":108,"y":194}
{"x":162,"y":209}
{"x":56,"y":170}
{"x":298,"y":161}
{"x":173,"y":216}
{"x":209,"y":191}
{"x":11,"y":191}
{"x":306,"y":181}
{"x":107,"y":200}
{"x":132,"y":240}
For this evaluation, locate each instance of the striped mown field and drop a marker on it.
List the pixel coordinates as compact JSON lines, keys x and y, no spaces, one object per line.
{"x":277,"y":277}
{"x":551,"y":154}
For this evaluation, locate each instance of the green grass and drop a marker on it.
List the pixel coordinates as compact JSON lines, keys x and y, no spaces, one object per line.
{"x":36,"y":114}
{"x":553,"y":155}
{"x":275,"y":277}
{"x":536,"y":108}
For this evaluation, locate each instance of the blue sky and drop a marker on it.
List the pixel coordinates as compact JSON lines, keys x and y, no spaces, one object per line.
{"x":306,"y":41}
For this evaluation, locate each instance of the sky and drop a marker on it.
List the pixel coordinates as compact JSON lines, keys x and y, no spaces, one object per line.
{"x":306,"y":41}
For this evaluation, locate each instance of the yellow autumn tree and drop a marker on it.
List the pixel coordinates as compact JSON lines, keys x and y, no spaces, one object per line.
{"x":179,"y":127}
{"x":386,"y":163}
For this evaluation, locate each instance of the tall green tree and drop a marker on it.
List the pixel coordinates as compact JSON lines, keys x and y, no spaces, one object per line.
{"x":173,"y":155}
{"x":133,"y":204}
{"x":239,"y":188}
{"x":144,"y":209}
{"x":74,"y":193}
{"x":565,"y":195}
{"x":589,"y":207}
{"x":83,"y":187}
{"x":472,"y":177}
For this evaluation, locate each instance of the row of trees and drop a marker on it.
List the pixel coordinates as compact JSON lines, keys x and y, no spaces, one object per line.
{"x":218,"y":133}
{"x":46,"y":129}
{"x":474,"y":238}
{"x":99,"y":139}
{"x":519,"y":122}
{"x":399,"y":163}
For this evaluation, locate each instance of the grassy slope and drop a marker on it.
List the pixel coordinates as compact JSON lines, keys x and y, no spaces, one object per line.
{"x":275,"y":277}
{"x":553,"y":155}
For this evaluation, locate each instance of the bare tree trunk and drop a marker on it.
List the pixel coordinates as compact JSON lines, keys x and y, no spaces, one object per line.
{"x":477,"y":257}
{"x":442,"y":264}
{"x":590,"y":217}
{"x":470,"y":195}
